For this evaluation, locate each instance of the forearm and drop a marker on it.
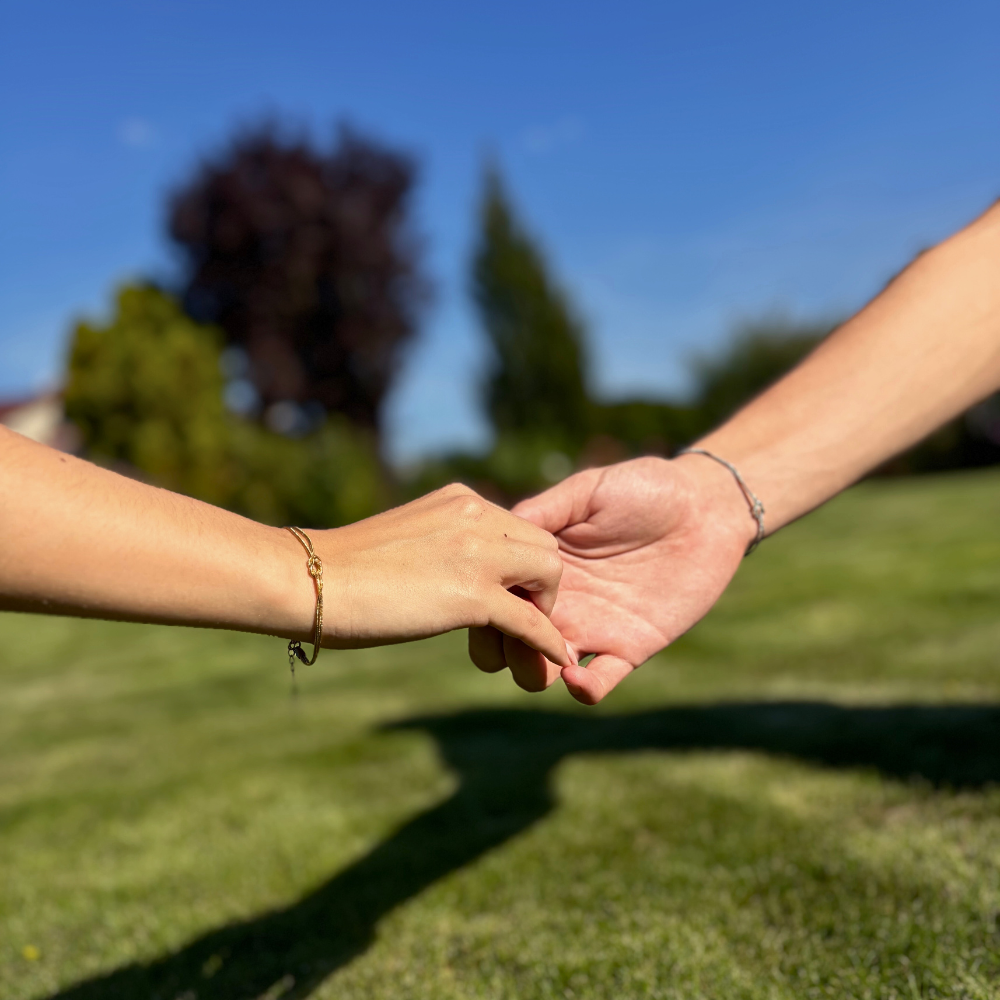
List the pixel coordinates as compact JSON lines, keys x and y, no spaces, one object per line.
{"x":920,"y":353}
{"x":77,"y":539}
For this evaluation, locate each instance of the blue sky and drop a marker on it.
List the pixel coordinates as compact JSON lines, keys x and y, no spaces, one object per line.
{"x":684,"y":164}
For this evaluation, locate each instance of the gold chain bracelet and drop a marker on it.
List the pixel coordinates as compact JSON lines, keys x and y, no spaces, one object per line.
{"x":315,"y":567}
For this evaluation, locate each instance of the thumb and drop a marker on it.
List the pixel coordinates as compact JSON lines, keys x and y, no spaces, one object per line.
{"x":565,"y":504}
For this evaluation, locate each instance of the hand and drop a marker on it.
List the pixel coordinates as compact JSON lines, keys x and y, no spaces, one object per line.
{"x":648,"y":546}
{"x":448,"y":560}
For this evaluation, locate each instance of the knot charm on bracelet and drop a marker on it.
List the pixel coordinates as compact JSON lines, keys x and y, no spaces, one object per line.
{"x":315,"y":567}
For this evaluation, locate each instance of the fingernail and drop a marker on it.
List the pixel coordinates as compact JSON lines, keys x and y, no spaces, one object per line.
{"x":571,"y":653}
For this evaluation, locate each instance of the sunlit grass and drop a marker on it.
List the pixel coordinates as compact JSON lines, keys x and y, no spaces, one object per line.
{"x":777,"y":807}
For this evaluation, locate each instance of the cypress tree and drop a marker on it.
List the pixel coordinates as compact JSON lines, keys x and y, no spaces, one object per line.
{"x":536,"y":386}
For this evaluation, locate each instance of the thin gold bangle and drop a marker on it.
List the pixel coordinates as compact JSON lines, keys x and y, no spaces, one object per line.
{"x":315,"y":567}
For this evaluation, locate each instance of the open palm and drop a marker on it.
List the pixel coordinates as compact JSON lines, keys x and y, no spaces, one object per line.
{"x":648,"y":546}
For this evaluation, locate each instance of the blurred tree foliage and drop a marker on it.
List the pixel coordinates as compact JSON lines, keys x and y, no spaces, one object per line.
{"x":146,"y":392}
{"x":536,"y":386}
{"x":536,"y":391}
{"x":762,"y":351}
{"x":644,"y":427}
{"x":307,"y":260}
{"x":756,"y":356}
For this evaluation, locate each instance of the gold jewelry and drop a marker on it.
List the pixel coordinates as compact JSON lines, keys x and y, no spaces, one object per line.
{"x":315,"y":567}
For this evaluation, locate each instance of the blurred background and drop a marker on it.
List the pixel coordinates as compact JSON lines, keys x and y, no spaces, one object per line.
{"x":304,"y":262}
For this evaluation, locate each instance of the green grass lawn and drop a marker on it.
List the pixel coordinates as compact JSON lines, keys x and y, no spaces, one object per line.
{"x":799,"y":799}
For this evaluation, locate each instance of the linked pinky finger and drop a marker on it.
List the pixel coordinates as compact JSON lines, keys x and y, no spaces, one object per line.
{"x":591,"y":683}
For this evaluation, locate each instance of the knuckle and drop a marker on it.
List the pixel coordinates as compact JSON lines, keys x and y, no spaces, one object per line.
{"x":467,"y":506}
{"x":543,"y":538}
{"x":532,"y":619}
{"x":478,"y":615}
{"x":455,"y":490}
{"x":552,"y":566}
{"x":470,"y":546}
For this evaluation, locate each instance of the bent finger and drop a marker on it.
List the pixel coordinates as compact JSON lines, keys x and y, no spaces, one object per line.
{"x":519,"y":618}
{"x":531,"y":670}
{"x":520,"y":529}
{"x":486,"y":649}
{"x":591,"y":683}
{"x":533,"y":568}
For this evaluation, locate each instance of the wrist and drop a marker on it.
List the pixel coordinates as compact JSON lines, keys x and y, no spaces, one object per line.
{"x":288,"y":594}
{"x":788,"y":477}
{"x":719,"y":499}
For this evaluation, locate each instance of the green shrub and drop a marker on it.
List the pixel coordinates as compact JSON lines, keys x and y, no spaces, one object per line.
{"x":756,"y":356}
{"x":146,"y":392}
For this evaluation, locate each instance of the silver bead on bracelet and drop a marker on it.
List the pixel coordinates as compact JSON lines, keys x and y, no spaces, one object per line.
{"x":756,"y":507}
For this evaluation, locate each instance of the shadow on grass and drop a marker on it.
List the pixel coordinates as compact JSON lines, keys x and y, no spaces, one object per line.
{"x":505,"y":759}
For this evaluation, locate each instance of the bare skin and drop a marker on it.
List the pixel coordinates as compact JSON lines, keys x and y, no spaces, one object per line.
{"x":76,"y":539}
{"x":650,"y":545}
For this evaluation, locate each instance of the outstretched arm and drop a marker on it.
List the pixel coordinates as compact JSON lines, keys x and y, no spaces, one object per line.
{"x":924,"y":350}
{"x":77,"y":539}
{"x":650,"y":545}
